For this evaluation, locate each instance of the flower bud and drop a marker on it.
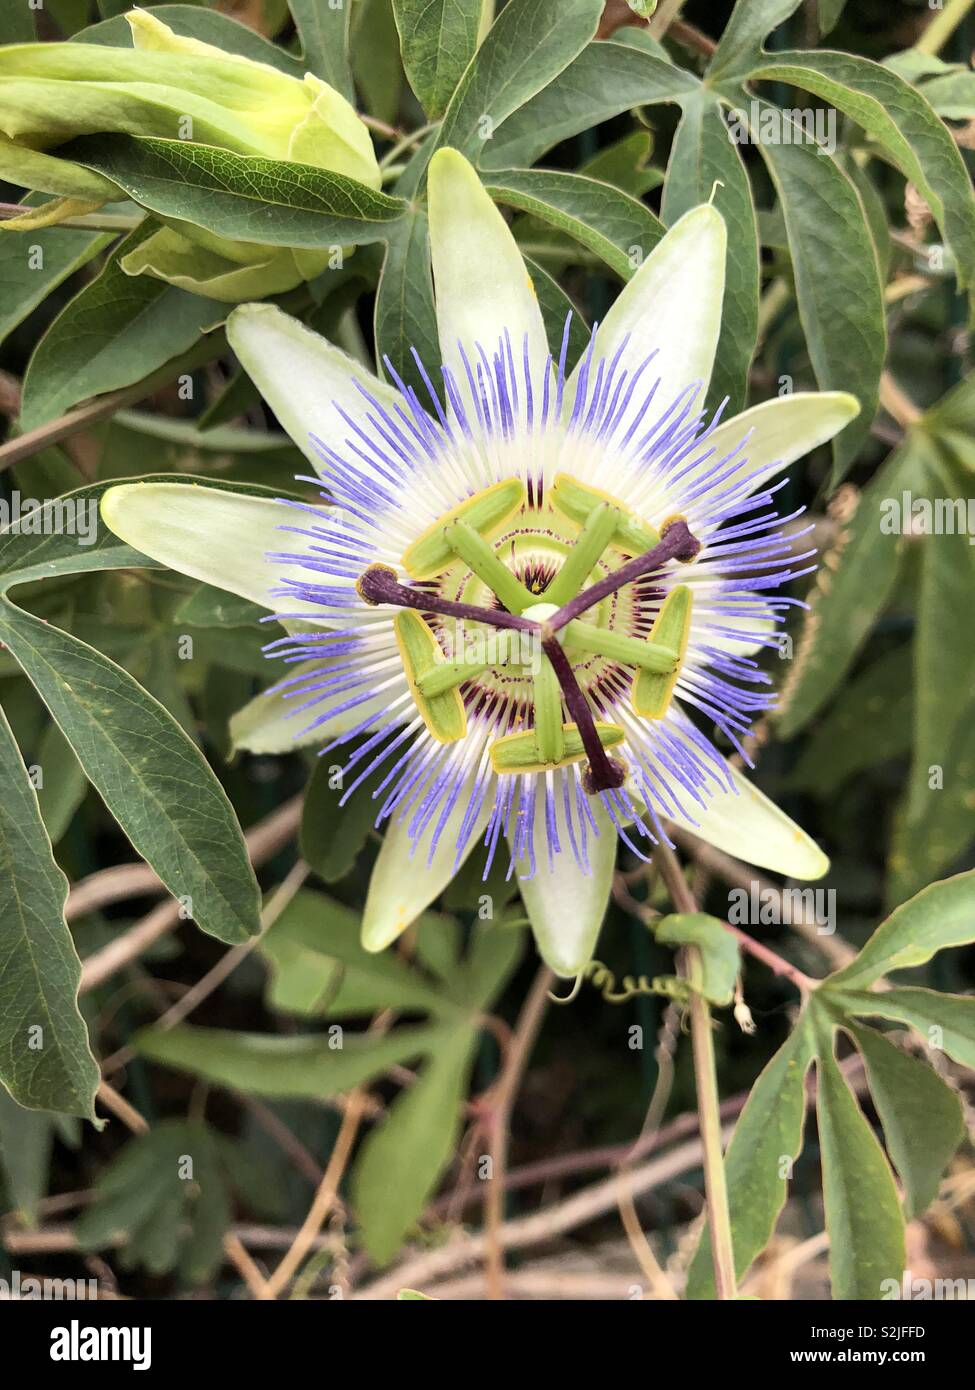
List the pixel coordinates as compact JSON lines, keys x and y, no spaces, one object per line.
{"x":175,"y":88}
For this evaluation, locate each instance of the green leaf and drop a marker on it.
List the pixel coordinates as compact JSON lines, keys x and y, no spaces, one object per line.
{"x":270,"y":202}
{"x":198,"y":22}
{"x":923,"y":847}
{"x":319,"y":936}
{"x":333,"y":835}
{"x":167,"y":1191}
{"x":238,"y":396}
{"x":26,"y":1137}
{"x":528,"y":45}
{"x":28,"y":275}
{"x":936,"y":824}
{"x":718,"y":947}
{"x":952,"y":95}
{"x":149,"y":774}
{"x":556,"y":306}
{"x":861,"y":583}
{"x":905,"y":127}
{"x":945,"y":1021}
{"x":702,"y":157}
{"x":64,"y":782}
{"x":207,"y":606}
{"x":45,"y":1060}
{"x":940,"y":916}
{"x":405,"y":317}
{"x":922,"y":1117}
{"x":624,"y":164}
{"x":605,"y":79}
{"x":741,"y":42}
{"x":875,"y":209}
{"x":403,"y":1157}
{"x":494,"y":952}
{"x":863,"y":1214}
{"x":297,"y":1066}
{"x":324,"y":31}
{"x":829,"y":13}
{"x":618,"y":228}
{"x":766,"y":1141}
{"x":837,"y":278}
{"x":438,"y":38}
{"x":376,"y":63}
{"x":869,"y":724}
{"x":115,"y":331}
{"x":17,"y":24}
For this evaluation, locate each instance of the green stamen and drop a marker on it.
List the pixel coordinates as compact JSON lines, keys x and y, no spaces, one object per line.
{"x":549,"y":735}
{"x":577,"y":501}
{"x":597,"y":531}
{"x":646,"y":653}
{"x":475,"y":551}
{"x":652,"y":692}
{"x":444,"y":715}
{"x":484,"y":512}
{"x":520,"y":752}
{"x":438,"y":679}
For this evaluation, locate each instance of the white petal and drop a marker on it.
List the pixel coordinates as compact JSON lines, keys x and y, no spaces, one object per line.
{"x":271,"y":723}
{"x":777,"y":432}
{"x":405,"y":881}
{"x":673,"y":305}
{"x":219,"y":537}
{"x":305,"y":379}
{"x":749,"y":826}
{"x":483,"y":287}
{"x":566,"y":906}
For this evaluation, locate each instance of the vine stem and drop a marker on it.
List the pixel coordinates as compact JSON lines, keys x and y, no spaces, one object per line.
{"x":23,"y":446}
{"x":942,"y":26}
{"x":706,"y":1084}
{"x":88,"y":221}
{"x":665,"y":15}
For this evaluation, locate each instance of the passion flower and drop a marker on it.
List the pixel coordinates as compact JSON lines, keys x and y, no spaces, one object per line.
{"x":523,"y":586}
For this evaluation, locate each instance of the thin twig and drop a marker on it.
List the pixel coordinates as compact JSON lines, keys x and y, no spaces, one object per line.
{"x":692,"y":37}
{"x":215,"y":976}
{"x":263,"y":840}
{"x":942,"y":26}
{"x":897,"y":403}
{"x":502,"y":1104}
{"x":121,"y":1109}
{"x":324,"y":1199}
{"x":74,"y":421}
{"x":541,"y":1226}
{"x":664,"y":16}
{"x":706,"y":1081}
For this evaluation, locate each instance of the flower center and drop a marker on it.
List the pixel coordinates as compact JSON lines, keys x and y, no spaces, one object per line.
{"x":542,"y":645}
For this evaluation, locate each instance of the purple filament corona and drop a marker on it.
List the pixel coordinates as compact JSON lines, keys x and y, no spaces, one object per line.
{"x":400,"y":466}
